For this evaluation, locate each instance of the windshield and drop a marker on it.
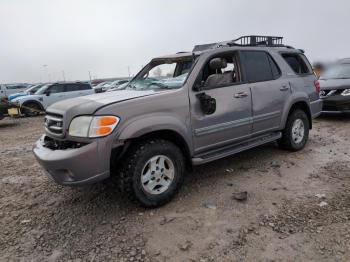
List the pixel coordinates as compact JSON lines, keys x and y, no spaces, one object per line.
{"x":340,"y":71}
{"x":33,"y":89}
{"x":104,"y":84}
{"x":165,"y":74}
{"x":41,"y":90}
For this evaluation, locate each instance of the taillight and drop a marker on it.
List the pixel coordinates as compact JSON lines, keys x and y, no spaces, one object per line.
{"x":317,"y":86}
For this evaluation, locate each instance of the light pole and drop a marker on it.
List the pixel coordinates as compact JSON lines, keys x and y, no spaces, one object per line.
{"x":64,"y":77}
{"x":45,"y":69}
{"x":89,"y":76}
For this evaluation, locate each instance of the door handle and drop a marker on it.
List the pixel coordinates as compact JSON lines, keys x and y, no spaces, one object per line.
{"x":241,"y":95}
{"x":284,"y":88}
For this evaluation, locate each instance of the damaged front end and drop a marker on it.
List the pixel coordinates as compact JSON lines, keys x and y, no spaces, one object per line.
{"x":337,"y":100}
{"x":54,"y":144}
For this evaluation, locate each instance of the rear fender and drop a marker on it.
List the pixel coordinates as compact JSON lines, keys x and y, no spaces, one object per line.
{"x":296,"y":97}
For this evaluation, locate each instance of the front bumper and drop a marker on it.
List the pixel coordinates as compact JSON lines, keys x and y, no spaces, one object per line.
{"x":75,"y":166}
{"x":337,"y":103}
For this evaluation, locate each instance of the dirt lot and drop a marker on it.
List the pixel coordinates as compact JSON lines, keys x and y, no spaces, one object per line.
{"x":298,"y":207}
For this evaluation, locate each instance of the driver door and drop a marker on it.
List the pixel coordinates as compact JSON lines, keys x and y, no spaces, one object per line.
{"x":232,"y":120}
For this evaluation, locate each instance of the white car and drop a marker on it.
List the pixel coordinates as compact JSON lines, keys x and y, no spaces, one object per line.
{"x":9,"y":89}
{"x":50,"y":93}
{"x":108,"y":85}
{"x":102,"y":87}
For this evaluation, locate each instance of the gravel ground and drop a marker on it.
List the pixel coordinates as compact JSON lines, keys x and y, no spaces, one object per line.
{"x":297,"y":207}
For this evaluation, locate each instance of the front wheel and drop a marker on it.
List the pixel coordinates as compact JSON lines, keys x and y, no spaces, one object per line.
{"x":152,"y":172}
{"x":296,"y":132}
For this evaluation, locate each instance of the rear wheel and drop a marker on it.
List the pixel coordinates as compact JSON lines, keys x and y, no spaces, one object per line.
{"x":31,"y":109}
{"x":296,"y":132}
{"x":152,"y":172}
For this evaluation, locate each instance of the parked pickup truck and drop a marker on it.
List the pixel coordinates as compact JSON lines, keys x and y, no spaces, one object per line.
{"x":180,"y":111}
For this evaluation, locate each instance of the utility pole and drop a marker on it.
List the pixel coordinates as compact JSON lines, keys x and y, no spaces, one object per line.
{"x":129,"y":70}
{"x":89,"y":76}
{"x":64,"y":77}
{"x":45,"y":69}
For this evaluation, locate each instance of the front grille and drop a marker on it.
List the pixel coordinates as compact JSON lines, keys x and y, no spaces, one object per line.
{"x":327,"y":93}
{"x":61,"y":145}
{"x":54,"y":123}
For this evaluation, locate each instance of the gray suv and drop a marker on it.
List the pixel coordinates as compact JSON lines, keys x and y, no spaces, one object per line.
{"x":180,"y":111}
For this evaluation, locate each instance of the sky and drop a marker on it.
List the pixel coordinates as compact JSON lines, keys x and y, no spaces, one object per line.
{"x":43,"y":40}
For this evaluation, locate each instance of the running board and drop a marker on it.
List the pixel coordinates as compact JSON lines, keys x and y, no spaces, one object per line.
{"x":234,"y":149}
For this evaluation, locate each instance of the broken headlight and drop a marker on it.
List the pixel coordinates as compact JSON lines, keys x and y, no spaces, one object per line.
{"x":346,"y":92}
{"x":93,"y":126}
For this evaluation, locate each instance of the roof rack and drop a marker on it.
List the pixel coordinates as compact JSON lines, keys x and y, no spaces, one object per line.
{"x":257,"y":40}
{"x":250,"y":40}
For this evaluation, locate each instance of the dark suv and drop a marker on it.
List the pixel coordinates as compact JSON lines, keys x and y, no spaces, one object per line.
{"x":179,"y":111}
{"x":335,"y":87}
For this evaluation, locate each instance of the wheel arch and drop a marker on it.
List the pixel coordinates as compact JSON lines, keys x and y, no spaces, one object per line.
{"x":166,"y":134}
{"x":299,"y":104}
{"x":33,"y":101}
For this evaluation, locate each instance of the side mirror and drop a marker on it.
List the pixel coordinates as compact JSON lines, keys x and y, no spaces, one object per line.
{"x":47,"y":93}
{"x":208,"y":103}
{"x":199,"y":86}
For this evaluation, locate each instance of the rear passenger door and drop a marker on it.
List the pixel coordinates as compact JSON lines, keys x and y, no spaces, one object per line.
{"x":77,"y":89}
{"x":269,"y":90}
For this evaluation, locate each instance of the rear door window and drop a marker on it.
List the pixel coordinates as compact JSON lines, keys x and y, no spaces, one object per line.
{"x":259,"y":66}
{"x":298,"y":63}
{"x":56,"y":89}
{"x":84,"y":87}
{"x":72,"y":87}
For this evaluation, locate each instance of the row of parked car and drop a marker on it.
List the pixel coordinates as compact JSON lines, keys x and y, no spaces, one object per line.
{"x":33,"y":99}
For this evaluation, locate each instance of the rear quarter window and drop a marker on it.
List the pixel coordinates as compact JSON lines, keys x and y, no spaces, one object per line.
{"x":298,"y":63}
{"x":84,"y":87}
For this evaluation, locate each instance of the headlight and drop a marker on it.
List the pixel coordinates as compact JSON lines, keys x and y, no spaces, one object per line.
{"x":346,"y":92}
{"x":93,"y":126}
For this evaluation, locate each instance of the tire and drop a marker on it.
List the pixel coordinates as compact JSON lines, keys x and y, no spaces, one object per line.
{"x":295,"y":139}
{"x":136,"y":169}
{"x":26,"y":109}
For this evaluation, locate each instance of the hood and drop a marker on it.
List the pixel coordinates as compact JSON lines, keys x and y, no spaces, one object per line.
{"x":334,"y":84}
{"x":25,"y":97}
{"x":90,"y":103}
{"x":10,"y":97}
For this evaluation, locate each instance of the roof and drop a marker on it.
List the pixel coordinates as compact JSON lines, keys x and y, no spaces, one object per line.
{"x":345,"y":60}
{"x":69,"y":82}
{"x":179,"y":55}
{"x":246,"y":42}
